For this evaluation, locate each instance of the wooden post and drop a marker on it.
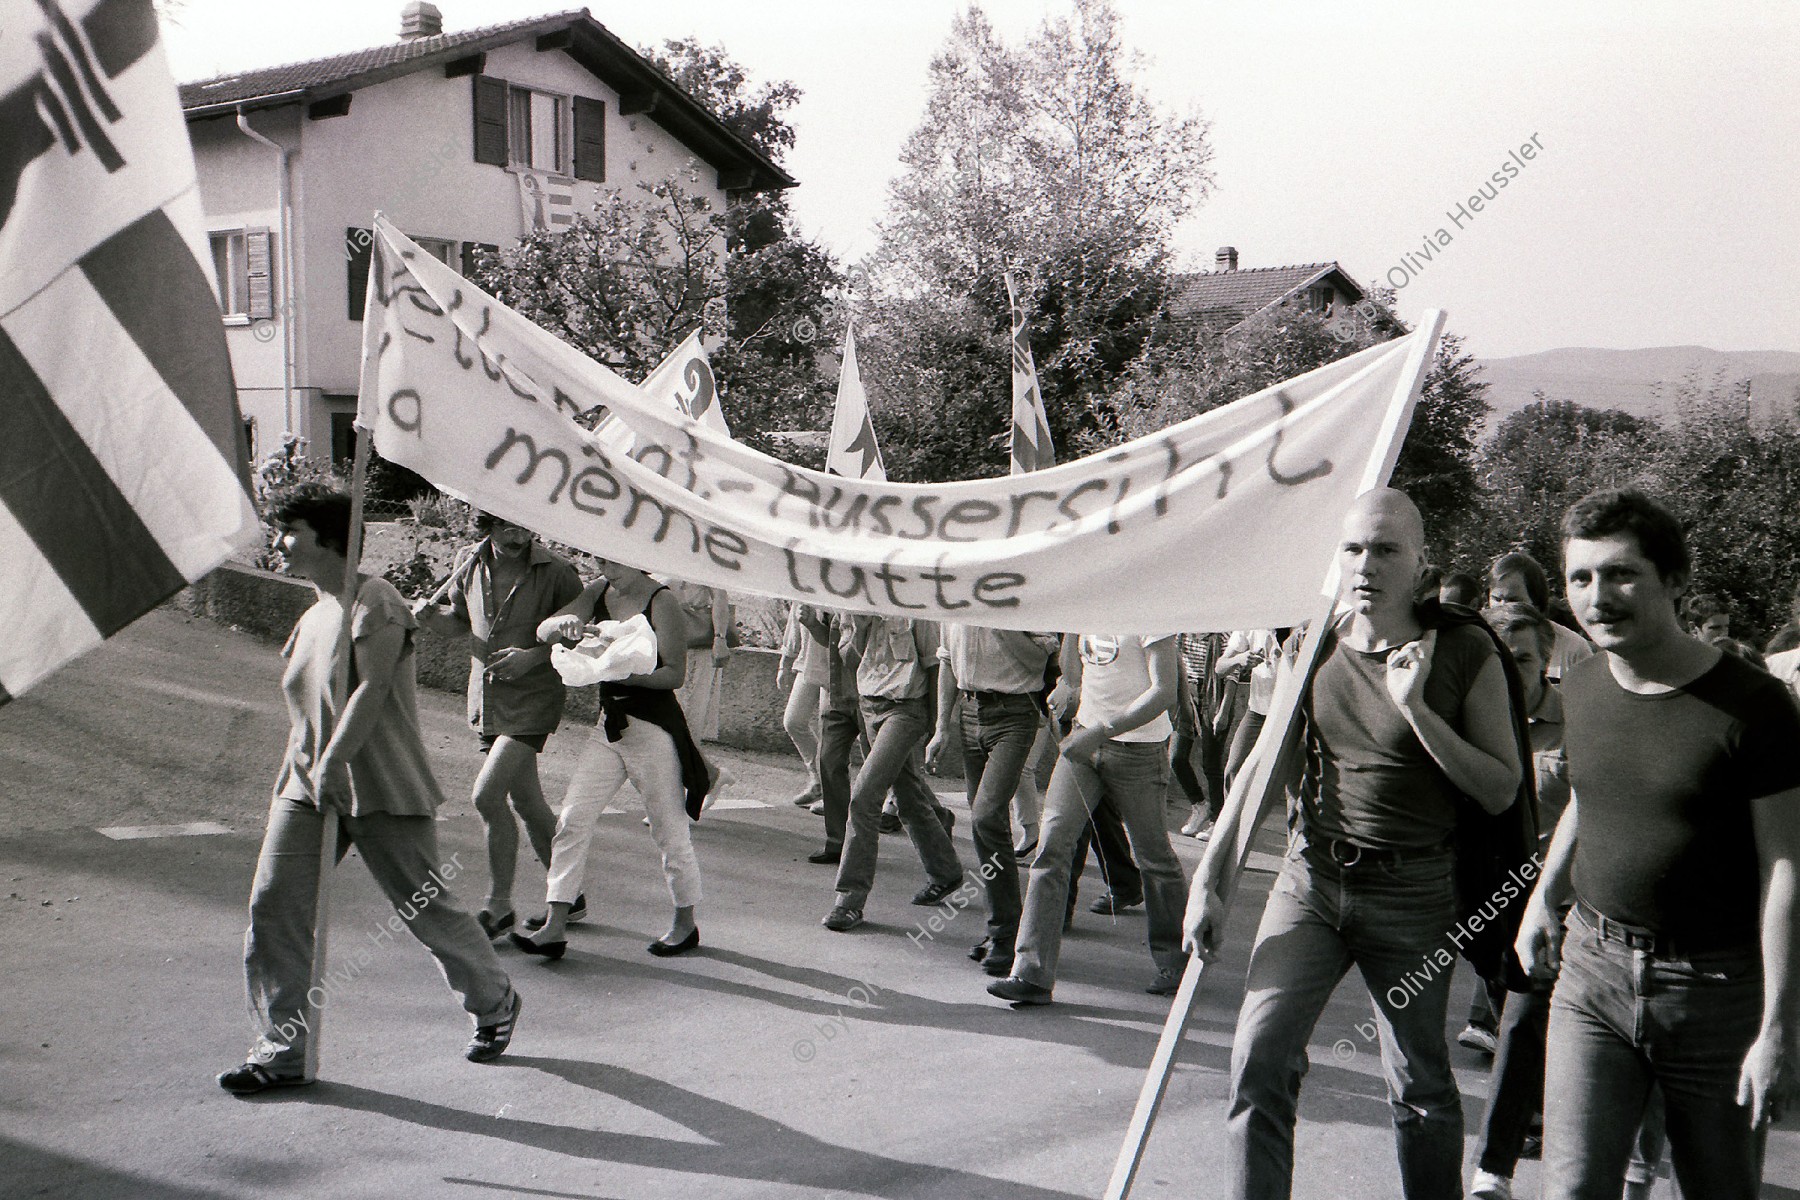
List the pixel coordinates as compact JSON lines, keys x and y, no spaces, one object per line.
{"x":340,"y":695}
{"x":1271,"y":762}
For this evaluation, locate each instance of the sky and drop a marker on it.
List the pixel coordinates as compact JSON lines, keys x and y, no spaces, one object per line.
{"x":1659,"y":209}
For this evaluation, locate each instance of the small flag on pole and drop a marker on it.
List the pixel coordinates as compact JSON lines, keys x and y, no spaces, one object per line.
{"x":683,"y":380}
{"x":122,"y":462}
{"x":1030,"y":440}
{"x":852,"y":451}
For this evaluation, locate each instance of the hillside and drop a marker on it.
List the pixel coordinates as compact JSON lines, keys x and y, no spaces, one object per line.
{"x":1625,"y":378}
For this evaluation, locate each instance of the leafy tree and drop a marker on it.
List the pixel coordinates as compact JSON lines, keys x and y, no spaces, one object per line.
{"x":1048,"y":159}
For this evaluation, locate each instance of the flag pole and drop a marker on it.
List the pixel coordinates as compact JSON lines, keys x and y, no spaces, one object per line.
{"x":1271,"y":763}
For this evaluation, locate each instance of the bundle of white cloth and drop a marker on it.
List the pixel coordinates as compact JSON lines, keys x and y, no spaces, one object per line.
{"x":612,"y":650}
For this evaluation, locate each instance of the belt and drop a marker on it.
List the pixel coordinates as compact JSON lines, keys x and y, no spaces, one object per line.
{"x":987,"y":697}
{"x":1638,"y":938}
{"x":1349,"y":854}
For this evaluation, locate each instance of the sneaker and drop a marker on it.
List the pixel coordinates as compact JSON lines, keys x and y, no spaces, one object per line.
{"x":1166,"y":983}
{"x":931,"y":893}
{"x":890,"y":822}
{"x":1196,"y":825}
{"x":841,"y":918}
{"x":807,"y":798}
{"x":491,"y":1041}
{"x":577,"y":914}
{"x":1112,"y":904}
{"x":1488,"y":1186}
{"x":253,"y":1077}
{"x":1480,"y":1040}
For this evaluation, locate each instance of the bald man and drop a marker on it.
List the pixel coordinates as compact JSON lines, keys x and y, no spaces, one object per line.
{"x":1402,"y":725}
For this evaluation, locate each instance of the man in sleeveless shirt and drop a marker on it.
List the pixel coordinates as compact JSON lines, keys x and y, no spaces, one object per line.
{"x":1401,"y":726}
{"x":1679,"y":850}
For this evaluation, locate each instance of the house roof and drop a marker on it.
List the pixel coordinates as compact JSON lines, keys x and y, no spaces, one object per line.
{"x":1226,"y":298}
{"x":587,"y":41}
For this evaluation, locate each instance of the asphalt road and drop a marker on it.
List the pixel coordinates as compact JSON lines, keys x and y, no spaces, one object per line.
{"x":779,"y":1061}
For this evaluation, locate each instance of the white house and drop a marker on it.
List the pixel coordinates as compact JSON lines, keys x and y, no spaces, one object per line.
{"x":465,"y":140}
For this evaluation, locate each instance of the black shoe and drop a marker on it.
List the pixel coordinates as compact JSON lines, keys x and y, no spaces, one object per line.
{"x":494,"y":927}
{"x":577,"y":912}
{"x":978,"y":952}
{"x":251,"y":1078}
{"x":931,"y":893}
{"x":491,"y":1041}
{"x":664,"y":949}
{"x":890,"y":822}
{"x":549,"y":950}
{"x":998,"y":965}
{"x":1018,"y":991}
{"x":829,"y":855}
{"x":1019,"y":852}
{"x":1112,"y":904}
{"x":947,"y":817}
{"x":1166,"y":983}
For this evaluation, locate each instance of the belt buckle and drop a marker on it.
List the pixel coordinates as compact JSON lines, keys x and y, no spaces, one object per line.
{"x":1355,"y":858}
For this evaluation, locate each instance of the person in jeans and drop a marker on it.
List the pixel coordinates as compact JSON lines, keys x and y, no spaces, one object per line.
{"x":1400,"y":727}
{"x":496,"y":598}
{"x":894,"y":661}
{"x":366,"y":759}
{"x":1119,"y":749}
{"x":990,"y":677}
{"x":1678,"y":851}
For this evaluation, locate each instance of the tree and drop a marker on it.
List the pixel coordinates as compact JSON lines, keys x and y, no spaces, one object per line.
{"x":1046,"y":159}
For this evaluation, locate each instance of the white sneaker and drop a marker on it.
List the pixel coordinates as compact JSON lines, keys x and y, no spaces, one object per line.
{"x":1488,"y":1186}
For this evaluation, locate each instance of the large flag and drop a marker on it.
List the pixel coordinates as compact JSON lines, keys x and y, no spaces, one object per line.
{"x":851,"y":450}
{"x":122,"y":469}
{"x":1225,"y":521}
{"x":1029,"y":442}
{"x":684,"y":381}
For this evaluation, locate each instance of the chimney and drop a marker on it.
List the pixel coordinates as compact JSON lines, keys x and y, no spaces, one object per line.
{"x":1225,"y":259}
{"x":420,"y":20}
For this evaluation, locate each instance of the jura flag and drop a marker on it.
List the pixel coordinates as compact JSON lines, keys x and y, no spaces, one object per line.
{"x":683,"y":381}
{"x":851,"y":450}
{"x":122,"y":471}
{"x":1030,"y":439}
{"x":1225,"y":521}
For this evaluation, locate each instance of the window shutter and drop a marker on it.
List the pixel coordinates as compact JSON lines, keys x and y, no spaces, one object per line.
{"x":590,"y":139}
{"x":258,"y":280}
{"x":490,"y":120}
{"x":358,"y":244}
{"x":472,"y":253}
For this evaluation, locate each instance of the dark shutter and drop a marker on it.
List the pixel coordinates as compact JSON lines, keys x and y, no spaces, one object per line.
{"x":357,"y":245}
{"x":258,"y":276}
{"x":490,"y":120}
{"x":590,"y":139}
{"x":472,"y":254}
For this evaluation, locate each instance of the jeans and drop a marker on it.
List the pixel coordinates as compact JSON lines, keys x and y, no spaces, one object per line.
{"x":1133,"y":775}
{"x":1105,"y":834}
{"x":401,"y":853}
{"x":1622,"y":1019}
{"x":1391,"y":920}
{"x":645,"y":755}
{"x":1516,"y":1090}
{"x":838,"y":731}
{"x":896,"y":728}
{"x":997,"y":736}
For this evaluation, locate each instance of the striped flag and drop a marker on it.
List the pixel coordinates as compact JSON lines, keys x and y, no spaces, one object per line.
{"x":122,"y":466}
{"x":1029,"y":442}
{"x":851,"y":450}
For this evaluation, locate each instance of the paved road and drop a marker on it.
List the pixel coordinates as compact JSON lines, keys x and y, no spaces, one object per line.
{"x":782,"y":1061}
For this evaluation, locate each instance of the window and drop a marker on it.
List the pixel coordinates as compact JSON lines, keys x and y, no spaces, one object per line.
{"x":241,"y":266}
{"x":537,"y":125}
{"x":1319,"y":299}
{"x":443,"y":251}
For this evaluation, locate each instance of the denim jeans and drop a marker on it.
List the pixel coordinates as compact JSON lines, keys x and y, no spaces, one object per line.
{"x":896,"y":728}
{"x":838,"y":731}
{"x":1516,"y":1087}
{"x":1391,"y":920}
{"x":1622,"y":1019}
{"x":1133,"y":775}
{"x":402,"y":854}
{"x":997,"y":735}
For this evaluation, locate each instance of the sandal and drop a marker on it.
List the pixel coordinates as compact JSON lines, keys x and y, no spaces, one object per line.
{"x":253,"y":1077}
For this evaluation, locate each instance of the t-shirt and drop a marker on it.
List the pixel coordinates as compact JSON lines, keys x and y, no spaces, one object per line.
{"x":390,"y":773}
{"x":1663,"y":787}
{"x":1369,"y":778}
{"x":1115,"y":671}
{"x":1566,"y":649}
{"x":1786,"y":667}
{"x":996,"y":660}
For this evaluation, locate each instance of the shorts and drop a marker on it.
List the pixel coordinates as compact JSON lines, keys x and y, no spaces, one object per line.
{"x":534,"y":740}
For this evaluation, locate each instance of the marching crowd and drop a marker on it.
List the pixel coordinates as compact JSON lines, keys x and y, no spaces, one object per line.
{"x":1595,"y":801}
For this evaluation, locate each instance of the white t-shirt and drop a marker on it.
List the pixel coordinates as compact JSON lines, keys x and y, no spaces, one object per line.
{"x":1114,"y":672}
{"x":1786,"y":667}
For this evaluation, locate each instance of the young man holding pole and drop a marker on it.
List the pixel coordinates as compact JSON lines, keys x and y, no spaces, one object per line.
{"x":495,"y":598}
{"x":1400,"y":726}
{"x":1680,"y":851}
{"x":366,"y":761}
